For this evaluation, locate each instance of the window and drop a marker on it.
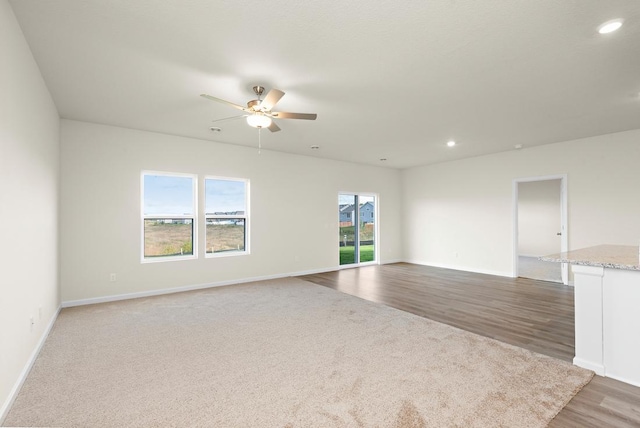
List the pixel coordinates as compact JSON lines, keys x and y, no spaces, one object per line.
{"x":227,"y":216}
{"x":168,"y":216}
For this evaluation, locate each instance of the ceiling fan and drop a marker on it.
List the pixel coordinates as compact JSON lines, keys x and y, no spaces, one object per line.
{"x":259,"y":113}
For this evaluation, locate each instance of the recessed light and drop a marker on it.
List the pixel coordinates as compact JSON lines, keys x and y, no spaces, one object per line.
{"x":451,"y":143}
{"x":610,"y":26}
{"x":315,"y":147}
{"x":215,"y":129}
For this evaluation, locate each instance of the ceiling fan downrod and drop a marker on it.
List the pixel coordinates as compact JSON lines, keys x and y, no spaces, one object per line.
{"x":255,"y":104}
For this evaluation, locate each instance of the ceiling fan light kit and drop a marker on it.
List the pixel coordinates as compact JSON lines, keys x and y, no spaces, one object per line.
{"x":259,"y":120}
{"x":259,"y":112}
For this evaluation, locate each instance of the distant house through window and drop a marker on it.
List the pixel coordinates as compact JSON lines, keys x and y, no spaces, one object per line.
{"x":169,"y":221}
{"x":357,"y":230}
{"x":227,"y":216}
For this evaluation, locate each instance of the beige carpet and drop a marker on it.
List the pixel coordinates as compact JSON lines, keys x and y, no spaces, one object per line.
{"x":281,"y":353}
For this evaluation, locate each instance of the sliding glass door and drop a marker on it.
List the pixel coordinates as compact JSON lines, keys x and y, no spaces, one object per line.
{"x":357,"y":232}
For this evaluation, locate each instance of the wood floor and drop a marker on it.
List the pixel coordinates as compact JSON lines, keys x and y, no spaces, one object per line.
{"x":532,"y":314}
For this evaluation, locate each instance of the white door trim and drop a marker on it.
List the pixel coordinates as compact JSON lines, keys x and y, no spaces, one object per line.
{"x":564,"y":241}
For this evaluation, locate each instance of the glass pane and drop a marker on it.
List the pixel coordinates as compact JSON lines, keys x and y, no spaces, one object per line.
{"x":227,"y":234}
{"x":168,"y":237}
{"x":168,"y":195}
{"x":225,"y":197}
{"x":346,"y":234}
{"x":367,"y":228}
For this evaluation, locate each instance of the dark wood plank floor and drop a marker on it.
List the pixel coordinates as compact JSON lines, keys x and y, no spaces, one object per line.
{"x":532,"y":314}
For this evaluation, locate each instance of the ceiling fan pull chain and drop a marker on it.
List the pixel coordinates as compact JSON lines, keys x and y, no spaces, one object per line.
{"x":259,"y":141}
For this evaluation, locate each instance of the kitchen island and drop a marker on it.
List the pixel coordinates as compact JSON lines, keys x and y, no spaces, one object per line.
{"x":607,"y":309}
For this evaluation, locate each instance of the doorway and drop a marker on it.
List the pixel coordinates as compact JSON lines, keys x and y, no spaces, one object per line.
{"x":357,"y":215}
{"x":540,"y":227}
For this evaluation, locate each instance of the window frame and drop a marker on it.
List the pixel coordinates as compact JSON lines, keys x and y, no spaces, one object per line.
{"x":193,"y":217}
{"x":245,"y":216}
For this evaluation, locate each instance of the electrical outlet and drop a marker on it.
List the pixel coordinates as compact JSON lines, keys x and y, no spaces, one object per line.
{"x":112,"y":277}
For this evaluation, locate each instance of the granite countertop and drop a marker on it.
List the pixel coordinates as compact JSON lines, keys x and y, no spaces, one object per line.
{"x":608,"y":256}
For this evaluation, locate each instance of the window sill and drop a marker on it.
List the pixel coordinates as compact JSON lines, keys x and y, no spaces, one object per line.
{"x":161,"y":259}
{"x":226,"y":254}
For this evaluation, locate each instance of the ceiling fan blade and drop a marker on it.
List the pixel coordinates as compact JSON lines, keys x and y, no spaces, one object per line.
{"x":271,"y":99}
{"x":273,"y":127}
{"x":209,"y":97}
{"x":285,"y":115}
{"x":229,"y":118}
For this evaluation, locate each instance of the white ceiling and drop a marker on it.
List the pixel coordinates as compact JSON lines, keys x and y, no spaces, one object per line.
{"x":388,"y":79}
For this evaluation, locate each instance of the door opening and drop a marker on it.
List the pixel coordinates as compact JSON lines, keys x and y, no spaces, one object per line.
{"x":540,"y":227}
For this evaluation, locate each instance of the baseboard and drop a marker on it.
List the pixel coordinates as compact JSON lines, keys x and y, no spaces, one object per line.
{"x":389,"y":262}
{"x":622,"y":379}
{"x":27,"y":368}
{"x":150,"y":293}
{"x":598,"y":368}
{"x":461,"y":268}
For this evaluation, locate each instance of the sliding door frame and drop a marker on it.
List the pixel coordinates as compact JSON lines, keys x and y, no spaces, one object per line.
{"x":376,"y":230}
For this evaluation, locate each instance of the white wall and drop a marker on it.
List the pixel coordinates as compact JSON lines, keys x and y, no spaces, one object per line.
{"x":294,"y":210}
{"x":459,"y":214}
{"x":29,"y":148}
{"x":539,"y":218}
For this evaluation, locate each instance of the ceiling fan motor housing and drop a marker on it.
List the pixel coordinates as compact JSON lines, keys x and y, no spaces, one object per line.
{"x":254,"y":105}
